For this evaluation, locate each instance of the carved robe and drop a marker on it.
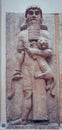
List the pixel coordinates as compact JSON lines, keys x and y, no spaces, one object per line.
{"x":29,"y":67}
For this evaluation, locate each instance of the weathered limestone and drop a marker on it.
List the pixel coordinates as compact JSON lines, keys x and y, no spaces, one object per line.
{"x":40,"y":100}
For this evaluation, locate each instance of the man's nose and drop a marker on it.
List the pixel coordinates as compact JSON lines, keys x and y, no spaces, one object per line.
{"x":34,"y":15}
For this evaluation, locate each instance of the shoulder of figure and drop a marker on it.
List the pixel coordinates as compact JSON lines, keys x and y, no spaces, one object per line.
{"x":22,"y":35}
{"x":45,"y":33}
{"x":23,"y":27}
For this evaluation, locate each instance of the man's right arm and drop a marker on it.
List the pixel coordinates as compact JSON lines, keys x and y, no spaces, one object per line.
{"x":19,"y":61}
{"x":45,"y":53}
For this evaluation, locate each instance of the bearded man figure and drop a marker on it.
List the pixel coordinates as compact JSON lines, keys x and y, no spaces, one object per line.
{"x":34,"y":89}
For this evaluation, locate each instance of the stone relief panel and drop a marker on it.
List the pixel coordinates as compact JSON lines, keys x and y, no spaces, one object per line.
{"x":30,"y":67}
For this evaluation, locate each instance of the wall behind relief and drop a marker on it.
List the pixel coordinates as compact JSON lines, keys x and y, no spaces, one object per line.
{"x":0,"y":61}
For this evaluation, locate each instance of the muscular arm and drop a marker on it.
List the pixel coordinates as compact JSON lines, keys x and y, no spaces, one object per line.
{"x":20,"y":59}
{"x":45,"y":53}
{"x":20,"y":55}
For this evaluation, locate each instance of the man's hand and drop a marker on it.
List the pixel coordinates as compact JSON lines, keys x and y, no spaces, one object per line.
{"x":38,"y":75}
{"x":11,"y":95}
{"x":17,"y":76}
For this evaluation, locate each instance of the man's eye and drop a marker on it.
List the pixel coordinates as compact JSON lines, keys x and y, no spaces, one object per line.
{"x":30,"y":12}
{"x":37,"y":12}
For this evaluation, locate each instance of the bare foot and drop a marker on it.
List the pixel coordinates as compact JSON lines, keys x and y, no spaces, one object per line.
{"x":18,"y":122}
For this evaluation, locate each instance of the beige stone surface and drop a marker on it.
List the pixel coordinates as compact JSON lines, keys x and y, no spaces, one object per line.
{"x":13,"y":22}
